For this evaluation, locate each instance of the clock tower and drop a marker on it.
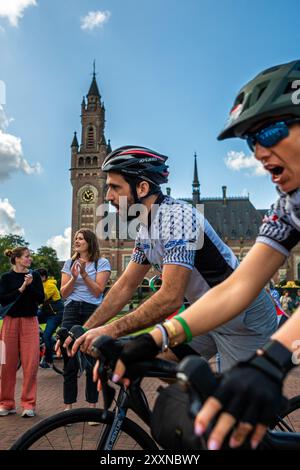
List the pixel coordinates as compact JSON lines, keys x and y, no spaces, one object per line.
{"x":87,"y":179}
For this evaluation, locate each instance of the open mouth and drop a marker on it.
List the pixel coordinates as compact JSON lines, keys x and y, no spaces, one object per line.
{"x":276,"y":170}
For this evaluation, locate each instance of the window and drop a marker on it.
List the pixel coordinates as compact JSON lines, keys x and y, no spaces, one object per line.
{"x":90,"y":141}
{"x":126,"y":260}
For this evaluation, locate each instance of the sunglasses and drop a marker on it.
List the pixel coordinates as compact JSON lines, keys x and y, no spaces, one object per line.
{"x":270,"y":135}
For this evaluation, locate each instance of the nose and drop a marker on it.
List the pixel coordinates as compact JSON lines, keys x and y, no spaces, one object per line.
{"x":261,"y":153}
{"x":109,"y":195}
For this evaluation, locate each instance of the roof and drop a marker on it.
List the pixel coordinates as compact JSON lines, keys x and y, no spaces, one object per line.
{"x":74,"y":141}
{"x":94,"y":87}
{"x":233,"y":217}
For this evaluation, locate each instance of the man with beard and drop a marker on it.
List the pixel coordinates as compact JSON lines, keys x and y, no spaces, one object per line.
{"x":175,"y":238}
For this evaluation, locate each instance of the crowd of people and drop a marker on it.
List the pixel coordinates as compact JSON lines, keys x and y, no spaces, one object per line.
{"x":230,"y":311}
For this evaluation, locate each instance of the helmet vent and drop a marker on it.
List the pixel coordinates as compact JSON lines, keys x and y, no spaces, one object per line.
{"x":288,"y":89}
{"x":247,"y":104}
{"x":261,"y":92}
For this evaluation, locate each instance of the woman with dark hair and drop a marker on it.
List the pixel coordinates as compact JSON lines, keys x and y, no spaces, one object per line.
{"x":51,"y":314}
{"x":21,"y":291}
{"x":84,"y":277}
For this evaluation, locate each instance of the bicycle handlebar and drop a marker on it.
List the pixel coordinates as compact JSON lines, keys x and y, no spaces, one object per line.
{"x":193,"y":373}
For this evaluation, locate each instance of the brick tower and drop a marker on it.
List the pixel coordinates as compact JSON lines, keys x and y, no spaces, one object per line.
{"x":87,"y":179}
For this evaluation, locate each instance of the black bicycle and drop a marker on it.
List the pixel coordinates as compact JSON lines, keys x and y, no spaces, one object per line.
{"x":69,"y":430}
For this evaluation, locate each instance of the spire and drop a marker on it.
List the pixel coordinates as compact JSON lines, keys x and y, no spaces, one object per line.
{"x":196,"y":179}
{"x":74,"y":141}
{"x":94,"y":87}
{"x":196,"y":184}
{"x":108,"y":146}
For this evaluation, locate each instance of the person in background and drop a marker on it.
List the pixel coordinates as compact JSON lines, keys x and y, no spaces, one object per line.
{"x":297,"y":299}
{"x":282,"y":316}
{"x":21,"y":291}
{"x":286,"y":302}
{"x":84,"y":277}
{"x":52,"y":311}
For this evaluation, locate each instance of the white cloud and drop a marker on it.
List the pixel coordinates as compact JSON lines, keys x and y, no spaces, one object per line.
{"x":62,"y":244}
{"x":13,"y":10}
{"x":238,"y":161}
{"x":95,"y":19}
{"x":11,"y":153}
{"x":4,"y":120}
{"x":8,"y":224}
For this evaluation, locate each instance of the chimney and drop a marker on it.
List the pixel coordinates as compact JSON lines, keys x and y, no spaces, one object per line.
{"x":224,"y":190}
{"x":168,"y":191}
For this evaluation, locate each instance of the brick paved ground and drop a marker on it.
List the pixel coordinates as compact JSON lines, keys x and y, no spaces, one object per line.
{"x":50,"y":402}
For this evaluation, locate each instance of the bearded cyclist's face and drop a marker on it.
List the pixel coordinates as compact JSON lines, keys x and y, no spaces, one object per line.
{"x":117,"y":188}
{"x":282,"y":160}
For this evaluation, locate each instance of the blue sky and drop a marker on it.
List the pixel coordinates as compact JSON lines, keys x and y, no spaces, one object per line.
{"x":168,"y":71}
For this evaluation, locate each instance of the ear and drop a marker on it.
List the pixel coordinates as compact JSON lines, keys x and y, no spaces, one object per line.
{"x":142,"y":189}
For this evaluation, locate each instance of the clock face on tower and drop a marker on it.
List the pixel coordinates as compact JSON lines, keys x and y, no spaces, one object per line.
{"x":87,"y":195}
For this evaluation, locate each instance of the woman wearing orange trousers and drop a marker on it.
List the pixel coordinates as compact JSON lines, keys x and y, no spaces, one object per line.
{"x":21,"y":290}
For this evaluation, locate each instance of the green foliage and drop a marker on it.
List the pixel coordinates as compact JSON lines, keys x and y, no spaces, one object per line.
{"x":46,"y":257}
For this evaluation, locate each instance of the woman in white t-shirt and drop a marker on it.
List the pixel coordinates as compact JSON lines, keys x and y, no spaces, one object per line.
{"x":84,"y":277}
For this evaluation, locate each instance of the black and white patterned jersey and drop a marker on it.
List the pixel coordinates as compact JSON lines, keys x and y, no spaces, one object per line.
{"x":281,"y":224}
{"x":179,"y":234}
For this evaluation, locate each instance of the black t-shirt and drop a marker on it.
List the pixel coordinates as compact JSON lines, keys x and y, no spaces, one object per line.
{"x":27,"y":302}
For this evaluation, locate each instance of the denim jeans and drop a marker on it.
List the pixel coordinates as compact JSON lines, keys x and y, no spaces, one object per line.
{"x":77,"y":313}
{"x":52,"y":323}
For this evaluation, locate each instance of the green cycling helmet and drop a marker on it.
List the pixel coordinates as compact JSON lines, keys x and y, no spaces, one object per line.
{"x":275,"y":92}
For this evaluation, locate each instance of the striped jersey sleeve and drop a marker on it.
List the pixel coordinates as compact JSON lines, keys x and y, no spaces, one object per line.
{"x":138,"y":255}
{"x":278,"y":230}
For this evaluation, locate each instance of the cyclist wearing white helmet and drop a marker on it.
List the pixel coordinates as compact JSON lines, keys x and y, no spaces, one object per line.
{"x":266,"y":112}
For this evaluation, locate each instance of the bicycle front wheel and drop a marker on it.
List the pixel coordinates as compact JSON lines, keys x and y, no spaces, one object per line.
{"x":70,"y":430}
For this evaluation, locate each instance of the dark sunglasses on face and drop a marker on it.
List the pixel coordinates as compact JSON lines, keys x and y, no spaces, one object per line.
{"x":271,"y":134}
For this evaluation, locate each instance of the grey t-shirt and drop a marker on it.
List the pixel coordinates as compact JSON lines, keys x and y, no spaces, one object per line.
{"x":81,"y":291}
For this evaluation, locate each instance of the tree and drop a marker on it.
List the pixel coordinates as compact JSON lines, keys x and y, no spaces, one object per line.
{"x":46,"y":257}
{"x":9,"y":241}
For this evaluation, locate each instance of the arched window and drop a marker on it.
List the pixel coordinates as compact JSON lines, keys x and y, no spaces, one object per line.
{"x":95,"y":161}
{"x":80,"y":161}
{"x":90,"y":141}
{"x":88,"y":161}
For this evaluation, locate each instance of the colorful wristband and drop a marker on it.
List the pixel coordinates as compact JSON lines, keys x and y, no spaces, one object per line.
{"x":186,"y":328}
{"x":165,"y":337}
